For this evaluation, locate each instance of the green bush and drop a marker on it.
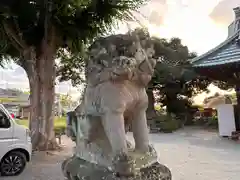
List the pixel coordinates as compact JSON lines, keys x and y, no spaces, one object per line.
{"x":212,"y":122}
{"x":169,"y":123}
{"x":59,"y":124}
{"x":157,"y":107}
{"x":161,"y":117}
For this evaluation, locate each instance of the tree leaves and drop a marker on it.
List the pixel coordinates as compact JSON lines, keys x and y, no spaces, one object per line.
{"x":76,"y":21}
{"x":71,"y":66}
{"x":174,"y":80}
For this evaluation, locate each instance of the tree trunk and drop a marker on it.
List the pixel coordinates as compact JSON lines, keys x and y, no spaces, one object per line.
{"x":237,"y":90}
{"x":47,"y":78}
{"x":151,"y":112}
{"x":35,"y":104}
{"x":41,"y":74}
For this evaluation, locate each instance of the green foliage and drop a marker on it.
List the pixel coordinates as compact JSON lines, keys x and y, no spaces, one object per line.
{"x":59,"y":123}
{"x":26,"y":92}
{"x":27,"y":23}
{"x":169,"y":124}
{"x":65,"y":100}
{"x":174,"y":81}
{"x":158,"y":107}
{"x":208,"y":122}
{"x":71,"y":66}
{"x":212,"y":122}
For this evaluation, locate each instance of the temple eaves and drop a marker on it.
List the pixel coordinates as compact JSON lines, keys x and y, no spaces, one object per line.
{"x":225,"y":53}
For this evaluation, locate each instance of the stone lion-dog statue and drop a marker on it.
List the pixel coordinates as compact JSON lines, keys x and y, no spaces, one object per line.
{"x":117,"y":72}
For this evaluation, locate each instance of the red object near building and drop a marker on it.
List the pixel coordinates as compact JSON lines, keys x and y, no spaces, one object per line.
{"x":12,"y":115}
{"x":208,"y":112}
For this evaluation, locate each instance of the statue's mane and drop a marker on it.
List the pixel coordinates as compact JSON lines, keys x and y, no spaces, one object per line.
{"x":124,"y":44}
{"x":114,"y":57}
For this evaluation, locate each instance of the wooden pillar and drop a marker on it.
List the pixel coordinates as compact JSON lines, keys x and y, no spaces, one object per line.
{"x":237,"y":90}
{"x":237,"y":107}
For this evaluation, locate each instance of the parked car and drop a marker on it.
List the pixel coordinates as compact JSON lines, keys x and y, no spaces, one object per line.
{"x":16,"y":146}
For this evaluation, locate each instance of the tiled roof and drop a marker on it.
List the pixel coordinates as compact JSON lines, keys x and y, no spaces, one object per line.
{"x":226,"y":52}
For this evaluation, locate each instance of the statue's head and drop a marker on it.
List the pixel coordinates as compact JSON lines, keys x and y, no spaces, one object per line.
{"x":121,"y":55}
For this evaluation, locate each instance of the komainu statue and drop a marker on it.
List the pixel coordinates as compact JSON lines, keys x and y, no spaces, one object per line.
{"x":118,"y":70}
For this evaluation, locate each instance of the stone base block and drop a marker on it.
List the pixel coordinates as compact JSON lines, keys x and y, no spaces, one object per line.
{"x":76,"y":168}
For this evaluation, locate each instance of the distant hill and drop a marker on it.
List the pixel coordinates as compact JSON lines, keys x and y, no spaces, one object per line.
{"x":14,"y":96}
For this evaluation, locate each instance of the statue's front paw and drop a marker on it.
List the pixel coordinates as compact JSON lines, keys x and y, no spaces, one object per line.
{"x":151,"y":151}
{"x":124,"y":165}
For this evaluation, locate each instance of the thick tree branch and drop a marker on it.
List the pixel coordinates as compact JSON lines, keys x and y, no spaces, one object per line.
{"x":17,"y":41}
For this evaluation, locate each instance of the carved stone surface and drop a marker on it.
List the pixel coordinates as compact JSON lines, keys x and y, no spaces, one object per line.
{"x":76,"y":168}
{"x":118,"y":71}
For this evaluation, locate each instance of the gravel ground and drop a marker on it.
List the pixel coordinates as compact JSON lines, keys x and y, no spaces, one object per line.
{"x":191,"y":154}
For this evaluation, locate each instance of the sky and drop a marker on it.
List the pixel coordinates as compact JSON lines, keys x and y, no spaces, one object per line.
{"x":201,"y":24}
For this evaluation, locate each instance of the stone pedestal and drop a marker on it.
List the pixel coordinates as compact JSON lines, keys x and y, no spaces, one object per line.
{"x":76,"y":168}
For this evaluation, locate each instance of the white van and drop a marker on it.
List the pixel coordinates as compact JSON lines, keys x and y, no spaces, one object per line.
{"x":15,"y":145}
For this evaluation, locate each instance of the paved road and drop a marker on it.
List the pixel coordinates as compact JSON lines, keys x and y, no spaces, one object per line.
{"x":191,"y":154}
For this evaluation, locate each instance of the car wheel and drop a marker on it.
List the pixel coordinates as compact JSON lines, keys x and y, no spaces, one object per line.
{"x":13,"y":164}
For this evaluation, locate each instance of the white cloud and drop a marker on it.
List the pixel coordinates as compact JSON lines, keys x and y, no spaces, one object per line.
{"x":186,"y":19}
{"x":223,"y":11}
